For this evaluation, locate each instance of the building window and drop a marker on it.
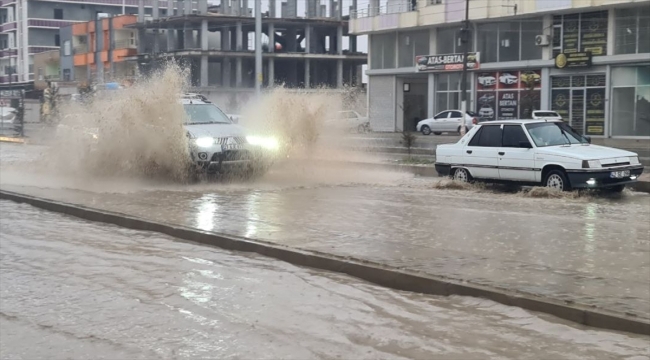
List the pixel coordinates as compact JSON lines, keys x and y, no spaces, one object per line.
{"x":435,"y":2}
{"x":448,"y":41}
{"x":632,"y":31}
{"x":410,"y":45}
{"x":382,"y":51}
{"x":580,"y":32}
{"x":67,"y":51}
{"x":58,"y":14}
{"x":57,"y":40}
{"x":510,"y":41}
{"x":40,"y":74}
{"x":448,"y":91}
{"x":631,"y":101}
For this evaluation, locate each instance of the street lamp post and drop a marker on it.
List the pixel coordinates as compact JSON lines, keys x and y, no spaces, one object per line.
{"x":464,"y":39}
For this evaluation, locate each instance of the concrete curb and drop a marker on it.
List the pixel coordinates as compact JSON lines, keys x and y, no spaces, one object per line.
{"x":375,"y":273}
{"x":12,"y":139}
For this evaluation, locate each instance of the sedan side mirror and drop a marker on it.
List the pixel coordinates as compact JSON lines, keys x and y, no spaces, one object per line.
{"x":525,"y":145}
{"x":588,"y":138}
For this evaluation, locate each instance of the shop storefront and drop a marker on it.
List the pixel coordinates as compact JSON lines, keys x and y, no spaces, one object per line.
{"x":580,"y":99}
{"x":630,"y":101}
{"x":447,"y":78}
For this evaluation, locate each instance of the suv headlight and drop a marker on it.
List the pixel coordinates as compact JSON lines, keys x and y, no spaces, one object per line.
{"x":634,"y":160}
{"x":204,"y":141}
{"x":266,"y":142}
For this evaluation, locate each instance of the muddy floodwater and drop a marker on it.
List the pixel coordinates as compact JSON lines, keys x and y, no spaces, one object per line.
{"x":79,"y":290}
{"x":583,"y":248}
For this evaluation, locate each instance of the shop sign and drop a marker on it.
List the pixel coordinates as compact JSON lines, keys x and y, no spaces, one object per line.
{"x":448,"y":62}
{"x":573,"y":60}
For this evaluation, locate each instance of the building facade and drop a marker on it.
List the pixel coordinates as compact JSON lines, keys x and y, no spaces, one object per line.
{"x":217,"y":43}
{"x":28,"y":27}
{"x":96,"y":51}
{"x":589,"y":60}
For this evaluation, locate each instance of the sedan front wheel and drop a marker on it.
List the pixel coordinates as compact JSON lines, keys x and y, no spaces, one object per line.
{"x":425,"y":130}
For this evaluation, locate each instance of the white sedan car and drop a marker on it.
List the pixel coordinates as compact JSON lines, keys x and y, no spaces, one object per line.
{"x":508,"y":79}
{"x":487,"y":80}
{"x":536,"y":152}
{"x":447,"y":121}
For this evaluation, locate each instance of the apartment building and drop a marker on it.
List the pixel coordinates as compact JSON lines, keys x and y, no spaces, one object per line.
{"x":28,"y":27}
{"x":96,"y":51}
{"x":589,"y":60}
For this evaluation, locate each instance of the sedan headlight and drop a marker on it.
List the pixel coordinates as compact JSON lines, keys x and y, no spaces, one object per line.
{"x":634,"y":160}
{"x":266,"y":142}
{"x":204,"y":141}
{"x":591,"y":164}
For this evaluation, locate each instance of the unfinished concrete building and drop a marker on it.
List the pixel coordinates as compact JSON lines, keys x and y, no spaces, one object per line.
{"x":217,"y":41}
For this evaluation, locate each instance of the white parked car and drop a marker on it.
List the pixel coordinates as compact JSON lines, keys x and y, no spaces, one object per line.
{"x":487,"y":80}
{"x":349,"y":120}
{"x":447,"y":121}
{"x":508,"y":79}
{"x":546,"y":115}
{"x":486,"y":112}
{"x":536,"y":152}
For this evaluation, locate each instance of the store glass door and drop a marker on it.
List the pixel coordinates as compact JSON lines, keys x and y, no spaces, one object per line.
{"x":580,"y":100}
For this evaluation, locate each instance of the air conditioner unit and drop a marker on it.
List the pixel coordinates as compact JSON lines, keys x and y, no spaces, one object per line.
{"x":542,"y":40}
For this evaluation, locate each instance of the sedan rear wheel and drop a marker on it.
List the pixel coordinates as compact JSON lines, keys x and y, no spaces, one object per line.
{"x":462,"y":175}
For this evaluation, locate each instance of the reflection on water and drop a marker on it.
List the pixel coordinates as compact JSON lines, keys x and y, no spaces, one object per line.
{"x":206,"y":210}
{"x":84,"y":290}
{"x":591,"y":219}
{"x":252,"y":214}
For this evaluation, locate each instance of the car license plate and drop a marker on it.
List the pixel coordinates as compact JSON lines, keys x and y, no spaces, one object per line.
{"x":619,"y":174}
{"x":231,"y":147}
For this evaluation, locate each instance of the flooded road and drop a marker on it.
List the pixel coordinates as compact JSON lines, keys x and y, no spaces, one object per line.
{"x":86,"y":290}
{"x":586,"y":249}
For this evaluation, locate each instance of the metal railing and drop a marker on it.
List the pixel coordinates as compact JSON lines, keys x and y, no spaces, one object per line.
{"x":401,"y":7}
{"x":125,"y":44}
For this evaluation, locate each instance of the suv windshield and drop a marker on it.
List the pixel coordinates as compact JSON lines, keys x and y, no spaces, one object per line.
{"x":553,"y":134}
{"x":205,"y":114}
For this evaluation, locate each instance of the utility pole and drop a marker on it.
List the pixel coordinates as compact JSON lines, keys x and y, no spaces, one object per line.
{"x":464,"y":40}
{"x":258,"y":47}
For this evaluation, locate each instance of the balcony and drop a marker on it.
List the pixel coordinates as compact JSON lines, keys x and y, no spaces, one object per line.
{"x":394,"y":8}
{"x":399,"y":14}
{"x":10,"y":26}
{"x":50,"y":23}
{"x":81,"y":49}
{"x":8,"y":52}
{"x":125,"y":44}
{"x":40,"y":49}
{"x":147,"y":3}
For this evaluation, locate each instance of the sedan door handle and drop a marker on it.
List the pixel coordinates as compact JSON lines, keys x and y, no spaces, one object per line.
{"x":469,"y":151}
{"x":501,"y":153}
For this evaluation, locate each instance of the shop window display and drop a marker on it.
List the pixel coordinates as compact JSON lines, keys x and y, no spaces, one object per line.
{"x":505,"y":95}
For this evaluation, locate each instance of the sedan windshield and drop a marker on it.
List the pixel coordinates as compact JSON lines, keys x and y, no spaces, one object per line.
{"x":205,"y":114}
{"x":553,"y":134}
